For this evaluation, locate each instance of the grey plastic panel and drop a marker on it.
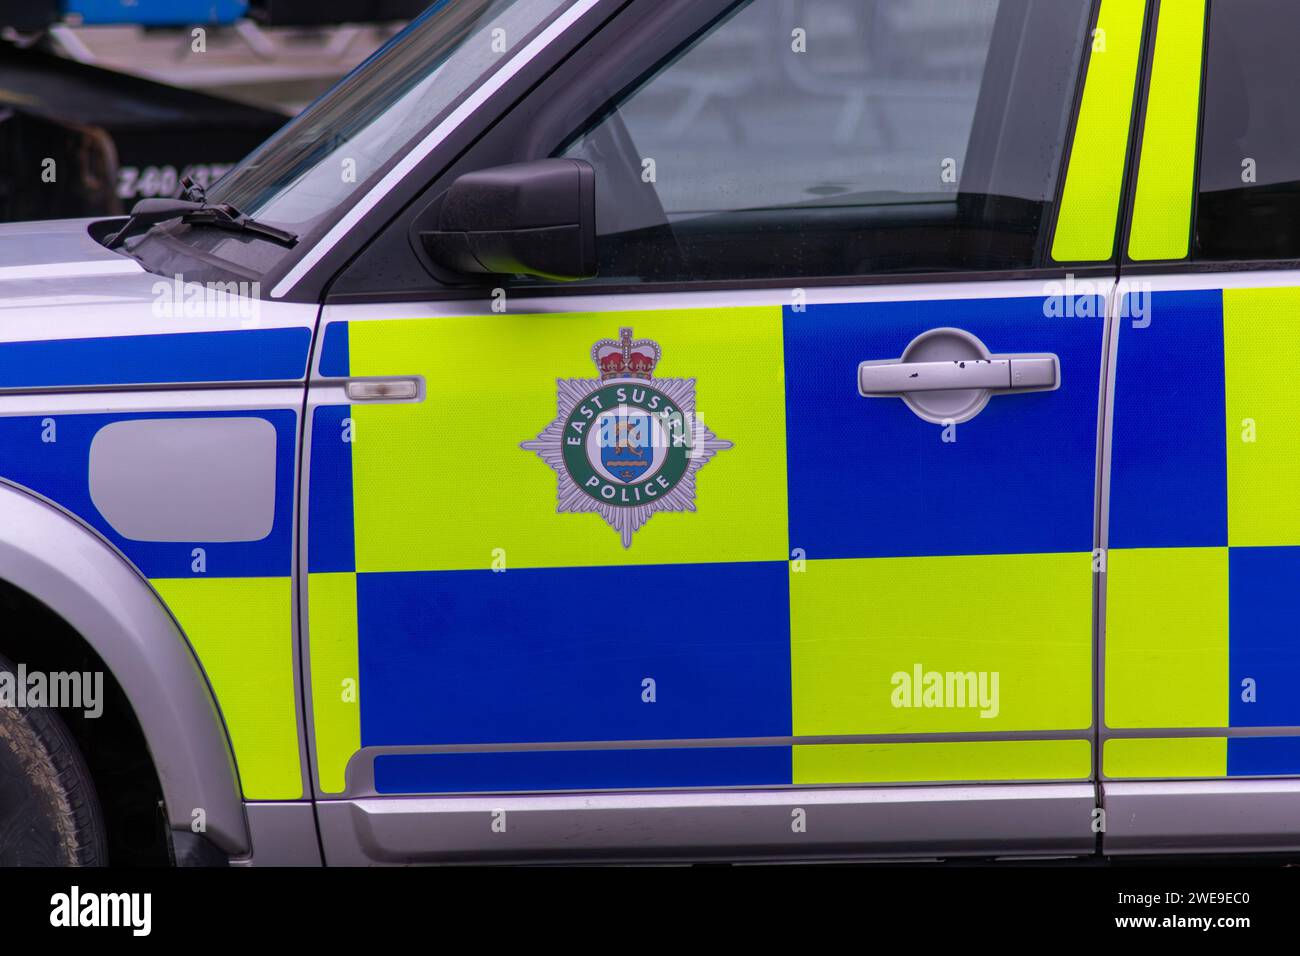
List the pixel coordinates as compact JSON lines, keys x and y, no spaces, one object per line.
{"x":885,"y":822}
{"x":1202,"y":816}
{"x":186,"y":479}
{"x":283,"y":834}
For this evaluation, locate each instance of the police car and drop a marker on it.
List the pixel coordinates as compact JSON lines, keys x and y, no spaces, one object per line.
{"x":692,"y":429}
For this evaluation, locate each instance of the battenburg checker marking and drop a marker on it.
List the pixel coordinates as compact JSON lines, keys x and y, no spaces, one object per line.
{"x":626,"y":445}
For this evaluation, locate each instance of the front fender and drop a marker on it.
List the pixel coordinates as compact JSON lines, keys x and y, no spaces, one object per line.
{"x":69,"y":568}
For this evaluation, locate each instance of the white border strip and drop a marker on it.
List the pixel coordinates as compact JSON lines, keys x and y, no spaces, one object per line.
{"x":647,"y":300}
{"x":57,"y":270}
{"x":430,"y":142}
{"x":1237,"y":279}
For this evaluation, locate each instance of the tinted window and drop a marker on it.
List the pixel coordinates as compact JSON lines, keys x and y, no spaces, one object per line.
{"x":840,"y":138}
{"x":1248,"y":206}
{"x":304,"y":175}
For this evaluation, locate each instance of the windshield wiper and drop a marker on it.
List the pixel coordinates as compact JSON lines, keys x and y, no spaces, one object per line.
{"x":197,"y":211}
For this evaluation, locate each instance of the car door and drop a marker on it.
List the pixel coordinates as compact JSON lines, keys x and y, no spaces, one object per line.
{"x":1202,"y":749}
{"x":777,"y":537}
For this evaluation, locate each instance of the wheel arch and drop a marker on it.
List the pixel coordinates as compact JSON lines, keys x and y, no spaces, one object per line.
{"x":69,"y":568}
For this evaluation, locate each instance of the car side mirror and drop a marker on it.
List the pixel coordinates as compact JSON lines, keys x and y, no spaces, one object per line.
{"x":535,"y":219}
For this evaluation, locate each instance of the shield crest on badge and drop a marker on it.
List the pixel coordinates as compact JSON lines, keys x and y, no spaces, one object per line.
{"x":625,"y":447}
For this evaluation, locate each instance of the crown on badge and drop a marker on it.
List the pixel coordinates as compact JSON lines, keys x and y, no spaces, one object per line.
{"x":625,"y":358}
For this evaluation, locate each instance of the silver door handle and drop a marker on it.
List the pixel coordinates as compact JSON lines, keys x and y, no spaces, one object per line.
{"x":893,"y":377}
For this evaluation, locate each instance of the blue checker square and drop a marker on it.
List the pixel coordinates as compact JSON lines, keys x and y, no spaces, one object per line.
{"x":869,"y":478}
{"x":642,"y":769}
{"x":1263,"y":756}
{"x":563,"y":654}
{"x":1169,"y":458}
{"x":1264,"y":635}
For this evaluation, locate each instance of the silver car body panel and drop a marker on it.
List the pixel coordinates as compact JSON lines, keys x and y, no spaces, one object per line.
{"x":1231,"y":815}
{"x":867,"y":823}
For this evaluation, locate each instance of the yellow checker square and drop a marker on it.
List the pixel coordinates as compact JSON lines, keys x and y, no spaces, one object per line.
{"x":942,"y":761}
{"x":445,"y":484}
{"x":1167,"y":637}
{"x":1260,"y":354}
{"x":335,"y":675}
{"x":1165,"y":758}
{"x":942,"y":644}
{"x":242,"y":631}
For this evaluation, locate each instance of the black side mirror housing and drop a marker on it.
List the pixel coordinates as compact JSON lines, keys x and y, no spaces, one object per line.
{"x":536,"y":219}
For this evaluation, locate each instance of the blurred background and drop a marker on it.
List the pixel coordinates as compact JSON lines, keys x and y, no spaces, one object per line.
{"x":126,"y":97}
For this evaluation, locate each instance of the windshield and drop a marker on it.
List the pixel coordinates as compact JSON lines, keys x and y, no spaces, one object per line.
{"x":302,"y":176}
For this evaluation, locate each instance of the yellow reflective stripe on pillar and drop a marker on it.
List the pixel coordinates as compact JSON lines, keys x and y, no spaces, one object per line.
{"x":1085,"y":228}
{"x":1162,"y":208}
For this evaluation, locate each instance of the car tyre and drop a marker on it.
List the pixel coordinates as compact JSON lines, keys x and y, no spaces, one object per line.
{"x":49,"y":811}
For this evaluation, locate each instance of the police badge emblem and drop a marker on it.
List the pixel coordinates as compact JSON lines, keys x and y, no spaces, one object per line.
{"x":626,"y":445}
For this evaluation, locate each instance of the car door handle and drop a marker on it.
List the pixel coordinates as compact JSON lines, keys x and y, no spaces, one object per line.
{"x":895,"y":377}
{"x":383,"y":389}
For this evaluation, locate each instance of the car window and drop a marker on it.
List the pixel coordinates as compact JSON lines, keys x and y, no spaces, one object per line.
{"x":303,"y":176}
{"x":1248,"y":196}
{"x":839,"y":138}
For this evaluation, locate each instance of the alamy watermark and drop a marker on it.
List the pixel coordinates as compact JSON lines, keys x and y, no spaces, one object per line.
{"x":977,"y":690}
{"x":75,"y":908}
{"x":179,"y":299}
{"x":66,"y":690}
{"x":1083,"y":299}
